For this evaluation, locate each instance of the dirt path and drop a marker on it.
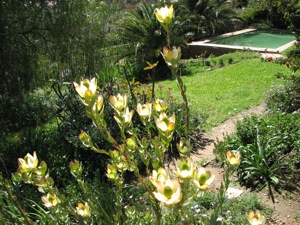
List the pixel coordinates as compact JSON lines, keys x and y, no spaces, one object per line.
{"x":285,"y":208}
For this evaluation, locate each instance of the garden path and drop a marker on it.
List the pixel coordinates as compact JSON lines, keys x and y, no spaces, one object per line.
{"x":287,"y":205}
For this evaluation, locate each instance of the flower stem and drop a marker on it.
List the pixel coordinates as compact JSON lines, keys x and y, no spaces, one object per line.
{"x":129,"y":85}
{"x":182,"y":88}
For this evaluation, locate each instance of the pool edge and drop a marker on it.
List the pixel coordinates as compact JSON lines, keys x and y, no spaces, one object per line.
{"x":203,"y":48}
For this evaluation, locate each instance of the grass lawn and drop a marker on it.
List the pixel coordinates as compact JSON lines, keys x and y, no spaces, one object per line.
{"x":224,"y":92}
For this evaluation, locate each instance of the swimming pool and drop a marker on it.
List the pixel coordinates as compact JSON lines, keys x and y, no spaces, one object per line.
{"x":258,"y":38}
{"x":266,"y":40}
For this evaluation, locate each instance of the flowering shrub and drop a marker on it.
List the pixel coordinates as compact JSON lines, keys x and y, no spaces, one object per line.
{"x":169,"y":192}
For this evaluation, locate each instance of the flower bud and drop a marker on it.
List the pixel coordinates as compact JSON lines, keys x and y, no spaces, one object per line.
{"x":76,"y":168}
{"x":112,"y":172}
{"x":160,"y":105}
{"x":85,"y":139}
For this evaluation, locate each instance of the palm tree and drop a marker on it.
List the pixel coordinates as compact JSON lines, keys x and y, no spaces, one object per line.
{"x":208,"y":17}
{"x":143,"y":38}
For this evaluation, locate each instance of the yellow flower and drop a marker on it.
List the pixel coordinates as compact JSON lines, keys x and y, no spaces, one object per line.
{"x":118,"y":102}
{"x":164,"y":123}
{"x":159,"y":175}
{"x":50,"y":200}
{"x":171,"y":56}
{"x":256,"y":219}
{"x":144,"y":110}
{"x":29,"y":163}
{"x":112,"y":172}
{"x":168,"y":192}
{"x":233,"y":158}
{"x":185,"y":168}
{"x":83,"y":210}
{"x":202,"y":178}
{"x":86,"y":87}
{"x":164,"y":15}
{"x":160,"y":105}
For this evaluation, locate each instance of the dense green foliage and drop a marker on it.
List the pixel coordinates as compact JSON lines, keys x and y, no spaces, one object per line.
{"x":274,"y":13}
{"x":43,"y":40}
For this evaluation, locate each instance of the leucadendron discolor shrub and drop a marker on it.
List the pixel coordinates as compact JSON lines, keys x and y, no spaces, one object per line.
{"x":169,"y":190}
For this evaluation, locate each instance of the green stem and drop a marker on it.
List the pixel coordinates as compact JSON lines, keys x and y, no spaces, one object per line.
{"x":157,"y":207}
{"x":130,"y":87}
{"x":119,"y":195}
{"x":183,"y":95}
{"x":153,"y":84}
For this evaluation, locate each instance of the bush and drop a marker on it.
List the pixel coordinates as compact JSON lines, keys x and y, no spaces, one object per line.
{"x":269,"y":146}
{"x":286,"y":98}
{"x":29,"y":110}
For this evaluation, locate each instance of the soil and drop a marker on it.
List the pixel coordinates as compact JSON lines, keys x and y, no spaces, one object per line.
{"x":286,"y":209}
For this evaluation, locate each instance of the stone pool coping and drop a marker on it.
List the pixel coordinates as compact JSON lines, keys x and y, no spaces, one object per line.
{"x":204,"y":48}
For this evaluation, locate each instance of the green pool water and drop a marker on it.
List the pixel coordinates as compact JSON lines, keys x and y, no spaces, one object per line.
{"x":258,"y":38}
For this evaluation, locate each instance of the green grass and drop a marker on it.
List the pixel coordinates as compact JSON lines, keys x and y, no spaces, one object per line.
{"x":224,"y":92}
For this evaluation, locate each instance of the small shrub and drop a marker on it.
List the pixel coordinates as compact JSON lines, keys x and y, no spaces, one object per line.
{"x":221,"y":62}
{"x":29,"y":110}
{"x":286,"y":98}
{"x":234,"y":209}
{"x":269,"y":146}
{"x":207,"y":63}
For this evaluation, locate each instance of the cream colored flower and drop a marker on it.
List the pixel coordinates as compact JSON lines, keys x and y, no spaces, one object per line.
{"x":159,"y":175}
{"x":86,"y":87}
{"x":164,"y":15}
{"x":29,"y":163}
{"x":160,"y":105}
{"x":172,"y":56}
{"x":233,"y":158}
{"x":184,"y":168}
{"x":118,"y":102}
{"x":202,"y":178}
{"x":256,"y":219}
{"x":184,"y":146}
{"x":50,"y":200}
{"x":168,"y":192}
{"x":144,"y":110}
{"x":125,"y":117}
{"x":83,"y":210}
{"x":164,"y":123}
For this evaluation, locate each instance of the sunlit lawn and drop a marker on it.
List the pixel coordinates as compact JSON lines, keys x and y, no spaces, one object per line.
{"x":223,"y":92}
